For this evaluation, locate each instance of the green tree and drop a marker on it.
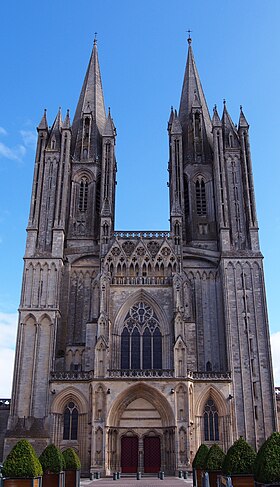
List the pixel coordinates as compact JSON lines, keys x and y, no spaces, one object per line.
{"x":239,"y":459}
{"x":214,"y":459}
{"x":22,"y":462}
{"x":200,"y":456}
{"x":71,"y":459}
{"x":267,"y":463}
{"x":52,"y":460}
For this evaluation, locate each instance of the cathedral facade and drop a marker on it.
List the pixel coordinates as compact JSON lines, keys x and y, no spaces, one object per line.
{"x":134,"y":347}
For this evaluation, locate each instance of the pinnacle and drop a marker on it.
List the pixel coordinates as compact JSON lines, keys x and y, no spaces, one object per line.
{"x":43,"y":125}
{"x":67,"y":123}
{"x":216,"y":121}
{"x":109,"y":128}
{"x":242,"y":120}
{"x":227,"y":120}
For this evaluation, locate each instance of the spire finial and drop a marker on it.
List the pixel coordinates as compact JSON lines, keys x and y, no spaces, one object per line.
{"x":95,"y":39}
{"x":224,"y":102}
{"x":189,"y":37}
{"x":241,"y":108}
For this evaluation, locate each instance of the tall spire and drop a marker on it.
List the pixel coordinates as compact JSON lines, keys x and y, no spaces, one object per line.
{"x":91,"y":98}
{"x":192,"y":94}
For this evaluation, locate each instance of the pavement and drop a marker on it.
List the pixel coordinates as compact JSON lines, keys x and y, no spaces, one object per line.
{"x":132,"y":482}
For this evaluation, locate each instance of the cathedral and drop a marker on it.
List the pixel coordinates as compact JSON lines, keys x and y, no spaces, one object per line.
{"x":134,"y":347}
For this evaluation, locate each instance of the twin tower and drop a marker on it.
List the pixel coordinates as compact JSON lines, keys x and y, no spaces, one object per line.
{"x":135,"y":347}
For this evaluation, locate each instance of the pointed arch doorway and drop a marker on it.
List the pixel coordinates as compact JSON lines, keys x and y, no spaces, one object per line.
{"x":142,"y":423}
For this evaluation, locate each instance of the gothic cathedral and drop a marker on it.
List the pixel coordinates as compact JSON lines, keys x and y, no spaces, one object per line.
{"x":136,"y":347}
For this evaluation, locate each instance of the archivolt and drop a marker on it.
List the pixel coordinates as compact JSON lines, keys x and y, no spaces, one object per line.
{"x":143,"y":391}
{"x":68,"y":394}
{"x":211,"y":393}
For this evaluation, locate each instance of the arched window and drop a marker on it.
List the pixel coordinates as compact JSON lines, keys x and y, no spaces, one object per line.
{"x":70,"y":420}
{"x":200,"y":195}
{"x":141,"y":339}
{"x":211,"y":421}
{"x":83,"y":194}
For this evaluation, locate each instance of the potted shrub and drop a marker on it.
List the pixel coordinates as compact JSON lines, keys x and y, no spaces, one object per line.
{"x":72,"y":468}
{"x":213,"y":463}
{"x":267,"y":464}
{"x":239,"y":463}
{"x":52,"y":462}
{"x":198,"y":463}
{"x":22,"y":467}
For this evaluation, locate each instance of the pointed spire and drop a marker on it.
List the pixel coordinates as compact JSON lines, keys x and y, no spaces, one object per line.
{"x":109,"y":128}
{"x":43,"y":125}
{"x":67,"y":122}
{"x":216,"y":121}
{"x":91,"y":97}
{"x":192,"y":94}
{"x":242,"y":120}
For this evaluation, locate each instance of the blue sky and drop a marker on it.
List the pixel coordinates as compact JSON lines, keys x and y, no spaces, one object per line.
{"x":45,"y":48}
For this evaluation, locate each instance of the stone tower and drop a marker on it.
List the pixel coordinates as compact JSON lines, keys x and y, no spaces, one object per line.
{"x":135,"y":347}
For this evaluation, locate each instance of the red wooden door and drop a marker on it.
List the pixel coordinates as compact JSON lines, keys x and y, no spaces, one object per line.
{"x":129,"y":454}
{"x":152,"y":458}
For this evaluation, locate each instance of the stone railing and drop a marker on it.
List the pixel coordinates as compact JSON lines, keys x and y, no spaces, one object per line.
{"x":81,"y":375}
{"x":135,"y":234}
{"x":141,"y":280}
{"x":132,"y":373}
{"x":140,"y":373}
{"x":5,"y":403}
{"x":211,"y":376}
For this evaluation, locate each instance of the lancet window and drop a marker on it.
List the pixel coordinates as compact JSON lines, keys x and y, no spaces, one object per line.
{"x":211,"y":421}
{"x":141,"y":339}
{"x":70,"y":422}
{"x":83,"y":195}
{"x":200,"y":194}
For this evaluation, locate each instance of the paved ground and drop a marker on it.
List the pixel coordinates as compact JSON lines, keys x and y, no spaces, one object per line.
{"x":132,"y":482}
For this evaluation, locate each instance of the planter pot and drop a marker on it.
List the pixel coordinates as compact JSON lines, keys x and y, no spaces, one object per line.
{"x":72,"y":478}
{"x":54,"y":479}
{"x":213,"y":476}
{"x":36,"y":482}
{"x":242,"y":480}
{"x":199,"y":472}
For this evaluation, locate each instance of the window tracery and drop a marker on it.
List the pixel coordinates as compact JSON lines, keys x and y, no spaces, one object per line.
{"x":70,"y":422}
{"x":141,"y":339}
{"x":211,"y":421}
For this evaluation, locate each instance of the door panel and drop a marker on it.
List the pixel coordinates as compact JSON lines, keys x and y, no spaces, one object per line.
{"x":152,"y":457}
{"x":129,"y":454}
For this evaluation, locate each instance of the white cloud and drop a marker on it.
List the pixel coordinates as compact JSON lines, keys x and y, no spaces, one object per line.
{"x":3,"y":131}
{"x":29,"y":138}
{"x":275,"y":348}
{"x":8,"y":328}
{"x":14,"y":154}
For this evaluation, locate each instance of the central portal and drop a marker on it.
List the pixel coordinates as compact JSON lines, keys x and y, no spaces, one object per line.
{"x":152,"y":457}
